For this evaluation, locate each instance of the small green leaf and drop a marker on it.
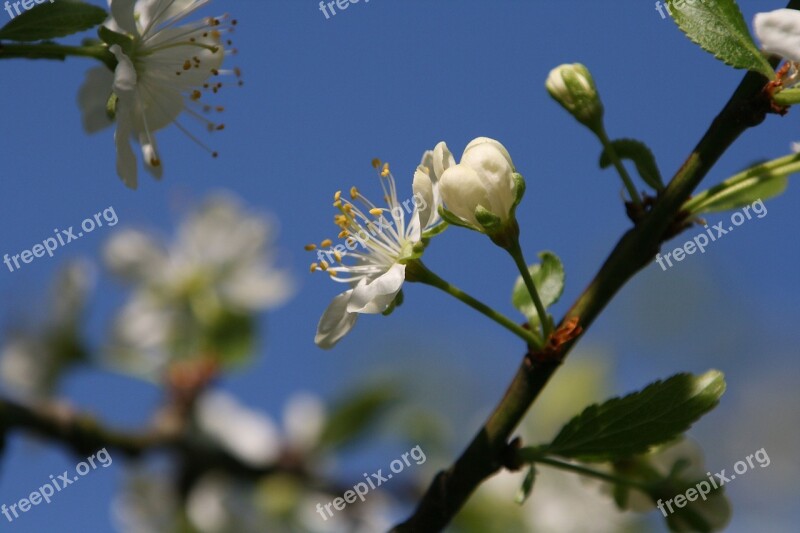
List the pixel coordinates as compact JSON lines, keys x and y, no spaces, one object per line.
{"x":53,"y":19}
{"x":719,"y":28}
{"x":527,"y":486}
{"x":230,"y":337}
{"x":548,"y":277}
{"x":357,"y":414}
{"x":642,"y":157}
{"x":111,"y":37}
{"x":622,"y":427}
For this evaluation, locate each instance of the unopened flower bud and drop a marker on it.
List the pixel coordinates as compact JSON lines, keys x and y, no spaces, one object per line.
{"x":482,"y":187}
{"x":572,"y":86}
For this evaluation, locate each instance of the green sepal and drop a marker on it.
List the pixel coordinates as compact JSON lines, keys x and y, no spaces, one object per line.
{"x":527,"y":486}
{"x":111,"y":38}
{"x":519,"y":188}
{"x":397,"y":302}
{"x":488,"y":220}
{"x":436,"y":230}
{"x":111,"y":106}
{"x":451,"y":218}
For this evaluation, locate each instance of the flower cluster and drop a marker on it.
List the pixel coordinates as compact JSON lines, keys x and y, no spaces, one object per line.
{"x":480,"y":192}
{"x":218,"y":273}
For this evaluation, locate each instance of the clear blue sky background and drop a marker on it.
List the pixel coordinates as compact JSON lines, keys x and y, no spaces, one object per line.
{"x":390,"y":79}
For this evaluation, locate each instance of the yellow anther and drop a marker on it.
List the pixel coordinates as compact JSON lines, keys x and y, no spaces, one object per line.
{"x":332,"y":273}
{"x":337,"y":195}
{"x":385,"y":171}
{"x":344,"y":234}
{"x":376,"y":162}
{"x":324,"y":265}
{"x":338,"y":256}
{"x":326,"y":243}
{"x":337,"y":204}
{"x":376,"y":211}
{"x":348,"y":209}
{"x":340,"y":220}
{"x":310,"y":247}
{"x":314,"y":267}
{"x":353,"y":192}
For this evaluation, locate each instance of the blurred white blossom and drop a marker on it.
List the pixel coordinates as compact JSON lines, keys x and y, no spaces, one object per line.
{"x":197,"y":297}
{"x":34,"y":357}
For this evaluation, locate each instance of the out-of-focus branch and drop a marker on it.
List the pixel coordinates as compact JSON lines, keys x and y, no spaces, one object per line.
{"x":84,"y":435}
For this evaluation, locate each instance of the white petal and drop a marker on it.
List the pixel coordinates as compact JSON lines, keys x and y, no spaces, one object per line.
{"x":779,"y":32}
{"x":442,"y":160}
{"x":336,"y":322}
{"x":124,"y":88}
{"x":493,"y":165}
{"x":93,"y":97}
{"x":375,"y":296}
{"x":133,"y":255}
{"x":126,"y":160}
{"x":425,"y":197}
{"x":122,"y":13}
{"x":247,"y":433}
{"x":493,"y":143}
{"x":154,"y":13}
{"x":463,"y":191}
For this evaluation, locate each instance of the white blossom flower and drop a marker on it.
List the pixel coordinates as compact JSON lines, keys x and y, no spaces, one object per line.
{"x":779,"y":33}
{"x":484,"y":178}
{"x":222,"y":264}
{"x":389,"y":237}
{"x":164,"y":71}
{"x":33,"y":360}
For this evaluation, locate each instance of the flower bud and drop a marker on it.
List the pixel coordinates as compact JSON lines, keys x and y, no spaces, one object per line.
{"x":484,"y":181}
{"x":572,"y":86}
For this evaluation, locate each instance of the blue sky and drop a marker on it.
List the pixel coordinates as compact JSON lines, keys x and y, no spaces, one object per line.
{"x":321,"y":98}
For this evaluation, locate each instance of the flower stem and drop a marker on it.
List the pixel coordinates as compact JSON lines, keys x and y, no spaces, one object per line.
{"x":623,"y":173}
{"x":515,"y":250}
{"x":416,"y":271}
{"x":530,"y":455}
{"x":57,"y":51}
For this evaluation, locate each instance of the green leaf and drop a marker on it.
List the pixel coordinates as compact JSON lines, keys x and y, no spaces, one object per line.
{"x":53,"y":19}
{"x":111,"y":37}
{"x":642,"y":157}
{"x":527,"y":486}
{"x":719,"y":28}
{"x":357,"y":414}
{"x":548,"y":277}
{"x":230,"y":337}
{"x":622,"y":427}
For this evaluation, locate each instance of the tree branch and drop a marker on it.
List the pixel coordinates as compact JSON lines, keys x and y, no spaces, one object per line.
{"x":84,"y":435}
{"x":488,"y":451}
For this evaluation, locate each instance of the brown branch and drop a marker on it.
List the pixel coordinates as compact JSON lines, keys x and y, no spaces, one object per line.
{"x":84,"y":435}
{"x":487,"y":452}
